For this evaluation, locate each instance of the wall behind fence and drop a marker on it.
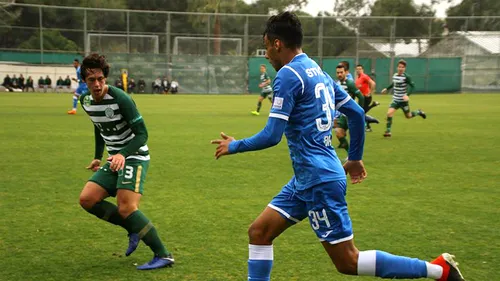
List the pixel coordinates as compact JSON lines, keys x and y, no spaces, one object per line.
{"x":431,"y":75}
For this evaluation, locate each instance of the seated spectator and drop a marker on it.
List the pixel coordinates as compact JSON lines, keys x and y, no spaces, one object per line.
{"x":142,"y":85}
{"x":41,"y":84}
{"x":67,"y":83}
{"x":157,"y":85}
{"x":29,"y":84}
{"x":60,"y":85}
{"x":174,"y":87}
{"x":7,"y":83}
{"x":14,"y":82}
{"x":20,"y":81}
{"x":119,"y":83}
{"x":47,"y":84}
{"x":131,"y":86}
{"x":165,"y":85}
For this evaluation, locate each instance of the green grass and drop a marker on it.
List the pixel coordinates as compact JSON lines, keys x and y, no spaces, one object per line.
{"x":432,"y":188}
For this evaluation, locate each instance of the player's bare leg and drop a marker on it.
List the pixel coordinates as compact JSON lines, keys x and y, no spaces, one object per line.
{"x":268,"y":225}
{"x":390,"y":114}
{"x":349,"y":260}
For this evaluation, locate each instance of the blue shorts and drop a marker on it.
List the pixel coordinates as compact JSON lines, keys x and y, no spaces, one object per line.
{"x":324,"y":204}
{"x":82,"y":88}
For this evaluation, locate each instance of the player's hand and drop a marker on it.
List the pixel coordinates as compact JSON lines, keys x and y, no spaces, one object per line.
{"x":356,"y":170}
{"x":94,"y":165}
{"x":406,"y":98}
{"x":117,"y":162}
{"x":384,"y":90}
{"x":261,"y":85}
{"x":222,"y":145}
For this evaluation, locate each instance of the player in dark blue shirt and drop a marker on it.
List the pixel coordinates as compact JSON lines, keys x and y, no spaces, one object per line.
{"x":304,"y":104}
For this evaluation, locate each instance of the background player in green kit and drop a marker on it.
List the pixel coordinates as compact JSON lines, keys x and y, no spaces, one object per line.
{"x":118,"y":126}
{"x":403,"y":86}
{"x":348,"y":85}
{"x":267,"y":91}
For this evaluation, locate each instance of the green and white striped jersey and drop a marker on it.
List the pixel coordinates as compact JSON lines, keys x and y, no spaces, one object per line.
{"x":113,"y":116}
{"x":263,"y":78}
{"x":403,"y":85}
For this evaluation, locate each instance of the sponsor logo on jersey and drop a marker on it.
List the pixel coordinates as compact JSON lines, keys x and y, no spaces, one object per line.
{"x":278,"y":103}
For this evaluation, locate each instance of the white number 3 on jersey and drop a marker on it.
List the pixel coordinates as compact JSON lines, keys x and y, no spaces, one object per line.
{"x":328,"y":106}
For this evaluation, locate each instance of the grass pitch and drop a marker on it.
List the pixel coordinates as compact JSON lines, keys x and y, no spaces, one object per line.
{"x":431,"y":188}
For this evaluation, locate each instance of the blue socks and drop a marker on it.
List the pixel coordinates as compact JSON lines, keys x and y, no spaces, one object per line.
{"x":260,"y":262}
{"x":75,"y":102}
{"x":385,"y":265}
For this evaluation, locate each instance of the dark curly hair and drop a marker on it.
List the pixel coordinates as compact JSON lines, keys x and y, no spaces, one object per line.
{"x":94,"y":60}
{"x":286,"y":27}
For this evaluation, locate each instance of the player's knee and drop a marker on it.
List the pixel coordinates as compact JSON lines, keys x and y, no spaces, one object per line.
{"x":87,"y":202}
{"x":259,"y":235}
{"x":126,"y":209}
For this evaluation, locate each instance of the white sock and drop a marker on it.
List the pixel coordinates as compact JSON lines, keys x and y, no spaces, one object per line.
{"x":434,"y":271}
{"x":260,"y":252}
{"x":367,"y":261}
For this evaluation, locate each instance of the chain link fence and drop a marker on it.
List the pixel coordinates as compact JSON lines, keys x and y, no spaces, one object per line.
{"x":220,"y":53}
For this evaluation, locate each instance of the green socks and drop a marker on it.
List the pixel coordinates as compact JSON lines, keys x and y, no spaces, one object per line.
{"x":415,"y":113}
{"x":389,"y":124}
{"x":108,"y":212}
{"x":138,"y":223}
{"x":259,"y":105}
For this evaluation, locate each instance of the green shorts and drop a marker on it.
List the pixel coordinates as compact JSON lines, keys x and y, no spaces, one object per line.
{"x":341,"y":122}
{"x":132,"y":177}
{"x":265,"y":94}
{"x":400,"y":104}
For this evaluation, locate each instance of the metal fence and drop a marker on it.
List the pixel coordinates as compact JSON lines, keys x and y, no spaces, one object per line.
{"x":210,"y":48}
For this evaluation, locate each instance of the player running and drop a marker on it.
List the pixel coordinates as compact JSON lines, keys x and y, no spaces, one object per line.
{"x":119,"y":126}
{"x":367,"y":87}
{"x":82,"y":87}
{"x":403,"y":87}
{"x":265,"y":85}
{"x":305,"y":99}
{"x":348,"y":85}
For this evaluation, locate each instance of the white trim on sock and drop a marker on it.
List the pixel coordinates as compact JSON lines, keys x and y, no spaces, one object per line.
{"x":367,"y":261}
{"x":434,"y":271}
{"x":260,"y":252}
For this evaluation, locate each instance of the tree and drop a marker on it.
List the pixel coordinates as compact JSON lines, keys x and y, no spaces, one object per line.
{"x":53,"y":40}
{"x":474,"y":8}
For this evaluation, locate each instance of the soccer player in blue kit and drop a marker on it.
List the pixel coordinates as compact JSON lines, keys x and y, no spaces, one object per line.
{"x":82,"y":87}
{"x":305,"y":99}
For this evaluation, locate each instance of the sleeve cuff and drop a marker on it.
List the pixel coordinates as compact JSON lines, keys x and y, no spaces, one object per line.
{"x":233,"y":146}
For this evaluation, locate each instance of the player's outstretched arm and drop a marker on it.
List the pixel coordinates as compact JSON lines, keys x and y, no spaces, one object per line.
{"x":269,"y":136}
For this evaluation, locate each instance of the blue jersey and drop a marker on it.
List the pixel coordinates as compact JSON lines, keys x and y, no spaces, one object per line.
{"x":304,"y":104}
{"x":79,"y":77}
{"x":305,"y":96}
{"x":349,"y":76}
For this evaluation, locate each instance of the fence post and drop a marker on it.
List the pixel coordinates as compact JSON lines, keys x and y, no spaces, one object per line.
{"x":392,"y":51}
{"x":207,"y":69}
{"x":357,"y":41}
{"x":41,"y":33}
{"x":245,"y":53}
{"x":320,"y":41}
{"x":86,"y":45}
{"x":128,"y":32}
